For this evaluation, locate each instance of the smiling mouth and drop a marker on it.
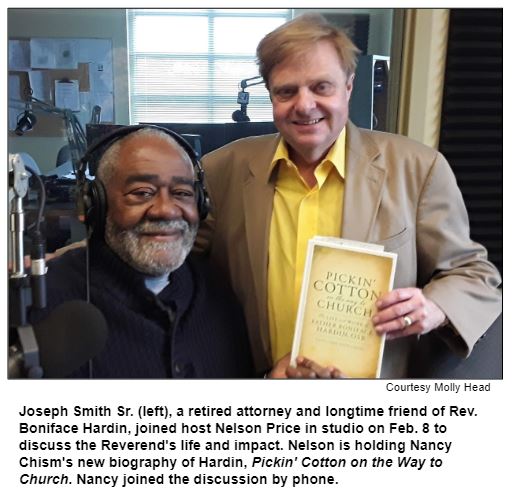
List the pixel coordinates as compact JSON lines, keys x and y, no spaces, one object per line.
{"x":307,"y":122}
{"x":163,"y":234}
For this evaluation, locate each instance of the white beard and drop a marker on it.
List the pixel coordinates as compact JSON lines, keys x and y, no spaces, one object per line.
{"x":153,"y":258}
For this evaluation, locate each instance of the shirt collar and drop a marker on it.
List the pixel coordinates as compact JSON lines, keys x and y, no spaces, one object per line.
{"x":336,"y":155}
{"x":156,"y":283}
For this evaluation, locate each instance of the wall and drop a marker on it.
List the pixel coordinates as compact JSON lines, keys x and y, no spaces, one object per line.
{"x":423,"y":80}
{"x":71,"y":23}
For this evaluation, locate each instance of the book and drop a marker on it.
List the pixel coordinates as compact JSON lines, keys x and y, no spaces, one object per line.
{"x":342,"y":281}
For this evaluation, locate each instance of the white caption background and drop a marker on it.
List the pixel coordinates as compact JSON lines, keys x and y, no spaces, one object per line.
{"x":359,"y":455}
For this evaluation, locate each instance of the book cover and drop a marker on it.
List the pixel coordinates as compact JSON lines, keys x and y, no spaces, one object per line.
{"x":341,"y":283}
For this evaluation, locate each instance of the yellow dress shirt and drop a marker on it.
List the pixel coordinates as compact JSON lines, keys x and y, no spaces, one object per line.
{"x":299,"y":213}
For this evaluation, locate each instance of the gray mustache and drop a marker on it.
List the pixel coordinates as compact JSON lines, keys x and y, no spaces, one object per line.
{"x":158,"y":225}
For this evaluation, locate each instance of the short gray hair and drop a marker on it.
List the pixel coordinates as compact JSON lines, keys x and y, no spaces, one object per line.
{"x":109,"y":160}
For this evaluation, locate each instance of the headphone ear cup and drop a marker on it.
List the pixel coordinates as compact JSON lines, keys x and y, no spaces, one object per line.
{"x":95,"y":205}
{"x":202,"y":199}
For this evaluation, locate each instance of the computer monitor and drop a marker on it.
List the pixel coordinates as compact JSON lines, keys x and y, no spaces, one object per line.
{"x":215,"y":135}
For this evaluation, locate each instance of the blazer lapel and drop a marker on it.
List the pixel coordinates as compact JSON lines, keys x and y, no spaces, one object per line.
{"x":364,"y":184}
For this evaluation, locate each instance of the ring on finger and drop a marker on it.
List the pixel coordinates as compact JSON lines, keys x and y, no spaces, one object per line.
{"x":407,"y":321}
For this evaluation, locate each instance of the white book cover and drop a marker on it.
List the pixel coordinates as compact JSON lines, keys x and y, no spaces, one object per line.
{"x":341,"y":283}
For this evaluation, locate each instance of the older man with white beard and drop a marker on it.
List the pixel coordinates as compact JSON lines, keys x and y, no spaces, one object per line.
{"x":167,"y":316}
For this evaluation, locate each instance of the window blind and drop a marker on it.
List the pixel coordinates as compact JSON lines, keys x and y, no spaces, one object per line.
{"x":185,"y":65}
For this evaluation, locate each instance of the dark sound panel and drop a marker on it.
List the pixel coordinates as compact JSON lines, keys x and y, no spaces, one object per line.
{"x":471,"y":126}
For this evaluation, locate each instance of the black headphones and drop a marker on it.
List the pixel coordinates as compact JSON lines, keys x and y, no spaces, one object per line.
{"x":93,"y":194}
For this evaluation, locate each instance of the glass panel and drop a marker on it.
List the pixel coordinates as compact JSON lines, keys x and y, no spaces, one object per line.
{"x":167,"y":34}
{"x":172,"y":111}
{"x":170,"y":77}
{"x":230,"y":72}
{"x":241,"y":35}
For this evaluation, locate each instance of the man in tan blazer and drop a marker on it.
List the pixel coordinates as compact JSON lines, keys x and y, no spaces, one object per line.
{"x":395,"y":192}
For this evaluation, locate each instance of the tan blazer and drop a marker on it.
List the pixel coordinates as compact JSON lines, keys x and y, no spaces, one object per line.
{"x":398,"y":193}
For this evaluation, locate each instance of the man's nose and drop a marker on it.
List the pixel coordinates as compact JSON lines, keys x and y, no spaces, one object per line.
{"x":164,"y":207}
{"x":305,"y":101}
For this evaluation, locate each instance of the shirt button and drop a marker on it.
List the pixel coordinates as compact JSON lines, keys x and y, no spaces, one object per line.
{"x":178,"y":368}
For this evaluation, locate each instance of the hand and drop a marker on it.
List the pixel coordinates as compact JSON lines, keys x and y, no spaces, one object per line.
{"x":27,"y":260}
{"x":406,"y":311}
{"x":305,"y":368}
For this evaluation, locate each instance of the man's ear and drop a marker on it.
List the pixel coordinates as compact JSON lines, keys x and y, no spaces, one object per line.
{"x":349,"y":85}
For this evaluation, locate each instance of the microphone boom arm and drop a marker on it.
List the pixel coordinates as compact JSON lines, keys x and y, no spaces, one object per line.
{"x":243,"y":98}
{"x":256,"y":80}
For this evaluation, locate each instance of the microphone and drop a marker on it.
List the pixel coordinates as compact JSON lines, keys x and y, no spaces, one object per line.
{"x":72,"y":334}
{"x":96,"y":113}
{"x":240,"y":116}
{"x":26,"y":122}
{"x":243,"y":98}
